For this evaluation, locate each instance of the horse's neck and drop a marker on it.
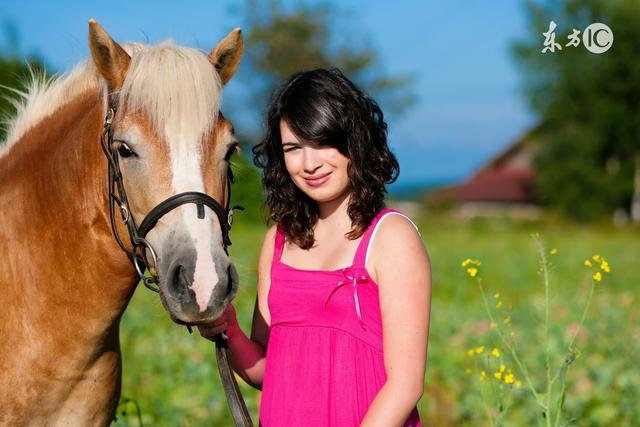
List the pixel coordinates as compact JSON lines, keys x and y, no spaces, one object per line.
{"x":62,"y":261}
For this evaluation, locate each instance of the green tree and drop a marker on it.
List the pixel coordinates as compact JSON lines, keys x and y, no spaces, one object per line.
{"x":589,"y":105}
{"x":283,"y":40}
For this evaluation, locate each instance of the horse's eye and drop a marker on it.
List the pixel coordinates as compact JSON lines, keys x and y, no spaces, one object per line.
{"x":125,"y":151}
{"x":232,"y":149}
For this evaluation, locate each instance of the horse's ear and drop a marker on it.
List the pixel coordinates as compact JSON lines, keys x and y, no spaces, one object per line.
{"x":226,"y":56}
{"x":110,"y":58}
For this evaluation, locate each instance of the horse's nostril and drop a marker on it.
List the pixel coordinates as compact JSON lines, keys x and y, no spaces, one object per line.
{"x":179,"y":282}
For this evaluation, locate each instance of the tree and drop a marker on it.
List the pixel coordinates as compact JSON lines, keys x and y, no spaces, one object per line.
{"x":283,"y":40}
{"x":589,"y":105}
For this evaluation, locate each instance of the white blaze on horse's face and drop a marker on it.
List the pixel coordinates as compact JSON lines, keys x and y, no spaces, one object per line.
{"x":171,"y":139}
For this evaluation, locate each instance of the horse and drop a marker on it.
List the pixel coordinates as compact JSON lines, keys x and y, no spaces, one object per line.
{"x":64,"y":279}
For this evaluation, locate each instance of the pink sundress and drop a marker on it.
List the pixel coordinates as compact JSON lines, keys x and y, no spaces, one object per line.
{"x":324,"y":363}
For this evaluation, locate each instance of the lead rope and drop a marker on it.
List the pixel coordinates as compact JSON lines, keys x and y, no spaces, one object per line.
{"x":235,"y":401}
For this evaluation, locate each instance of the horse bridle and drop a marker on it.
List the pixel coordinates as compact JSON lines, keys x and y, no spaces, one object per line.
{"x":140,"y":246}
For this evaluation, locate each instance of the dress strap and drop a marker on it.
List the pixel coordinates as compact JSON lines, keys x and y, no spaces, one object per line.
{"x":362,"y":252}
{"x":278,"y":244}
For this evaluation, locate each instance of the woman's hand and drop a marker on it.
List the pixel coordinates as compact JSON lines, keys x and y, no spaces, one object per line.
{"x":227,"y":322}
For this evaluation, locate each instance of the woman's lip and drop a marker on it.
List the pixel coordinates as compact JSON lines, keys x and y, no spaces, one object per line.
{"x":318,"y":180}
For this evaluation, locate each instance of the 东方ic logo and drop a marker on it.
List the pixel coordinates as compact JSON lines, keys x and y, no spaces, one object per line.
{"x":596,"y":38}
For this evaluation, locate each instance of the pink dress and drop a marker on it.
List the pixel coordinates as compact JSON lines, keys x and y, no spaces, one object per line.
{"x":324,"y":363}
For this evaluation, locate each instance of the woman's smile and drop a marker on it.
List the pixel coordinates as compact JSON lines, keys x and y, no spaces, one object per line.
{"x":317,"y":180}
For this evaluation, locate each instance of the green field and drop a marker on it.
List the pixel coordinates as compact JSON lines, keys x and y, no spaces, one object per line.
{"x":172,"y":377}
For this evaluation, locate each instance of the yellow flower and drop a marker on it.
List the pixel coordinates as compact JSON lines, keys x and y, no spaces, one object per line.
{"x":499,"y":304}
{"x":493,"y":325}
{"x":472,"y":271}
{"x":479,"y":350}
{"x":509,"y":378}
{"x":554,"y":251}
{"x":498,"y":375}
{"x":496,"y":296}
{"x":470,"y":352}
{"x":495,"y":352}
{"x":468,"y":261}
{"x":483,"y":375}
{"x":587,"y":263}
{"x":597,"y":277}
{"x":596,"y":258}
{"x":605,"y":266}
{"x":502,"y":367}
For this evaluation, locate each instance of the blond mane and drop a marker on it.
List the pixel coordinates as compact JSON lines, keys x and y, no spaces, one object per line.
{"x":177,"y":87}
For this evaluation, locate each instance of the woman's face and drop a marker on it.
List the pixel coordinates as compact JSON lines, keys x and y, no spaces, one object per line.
{"x":320,"y":171}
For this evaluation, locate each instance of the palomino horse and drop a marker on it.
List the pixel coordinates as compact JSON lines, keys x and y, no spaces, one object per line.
{"x":64,"y":280}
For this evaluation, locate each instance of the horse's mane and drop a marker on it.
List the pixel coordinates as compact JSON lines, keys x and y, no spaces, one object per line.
{"x":177,"y":87}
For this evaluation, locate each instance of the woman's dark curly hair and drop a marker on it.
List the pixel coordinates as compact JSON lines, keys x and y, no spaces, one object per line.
{"x":324,"y":106}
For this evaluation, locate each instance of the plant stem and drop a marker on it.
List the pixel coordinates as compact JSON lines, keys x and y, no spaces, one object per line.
{"x":512,"y":350}
{"x":547,"y":357}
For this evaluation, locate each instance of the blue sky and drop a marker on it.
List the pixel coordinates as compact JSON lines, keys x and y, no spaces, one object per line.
{"x":469,"y":104}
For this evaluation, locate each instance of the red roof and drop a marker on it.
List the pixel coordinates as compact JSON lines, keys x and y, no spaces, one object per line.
{"x":497,"y":185}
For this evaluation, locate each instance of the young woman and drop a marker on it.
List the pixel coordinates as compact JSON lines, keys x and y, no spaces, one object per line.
{"x":340,"y":326}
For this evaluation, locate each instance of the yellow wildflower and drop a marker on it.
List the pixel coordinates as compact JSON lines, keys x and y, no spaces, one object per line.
{"x":498,"y":375}
{"x":472,"y":271}
{"x":502,"y":367}
{"x":499,"y":304}
{"x":554,"y":251}
{"x":483,"y":375}
{"x":466,"y":262}
{"x":509,"y":378}
{"x":496,"y":296}
{"x":596,"y":258}
{"x":495,"y":352}
{"x":605,"y":266}
{"x":470,"y":352}
{"x":479,"y":350}
{"x":493,"y":325}
{"x":587,"y":263}
{"x":597,"y":277}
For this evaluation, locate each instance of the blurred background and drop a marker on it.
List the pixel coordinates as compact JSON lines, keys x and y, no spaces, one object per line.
{"x":498,"y":136}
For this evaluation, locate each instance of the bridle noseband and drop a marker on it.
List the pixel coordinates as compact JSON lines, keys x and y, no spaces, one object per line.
{"x":137,"y":234}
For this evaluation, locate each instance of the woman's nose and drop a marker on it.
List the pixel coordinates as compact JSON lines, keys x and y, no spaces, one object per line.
{"x":311,"y":160}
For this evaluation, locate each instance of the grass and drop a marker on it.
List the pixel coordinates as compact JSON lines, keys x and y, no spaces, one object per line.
{"x":172,"y":377}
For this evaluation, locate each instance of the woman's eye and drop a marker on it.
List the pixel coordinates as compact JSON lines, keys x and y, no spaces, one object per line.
{"x":286,"y":150}
{"x":125,"y":152}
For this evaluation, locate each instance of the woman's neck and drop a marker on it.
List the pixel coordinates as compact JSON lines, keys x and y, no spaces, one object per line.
{"x":334,"y":213}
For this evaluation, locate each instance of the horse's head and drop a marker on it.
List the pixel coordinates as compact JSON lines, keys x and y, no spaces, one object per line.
{"x":170,"y":138}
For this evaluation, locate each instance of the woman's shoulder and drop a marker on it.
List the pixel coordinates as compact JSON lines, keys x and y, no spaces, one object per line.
{"x":268,"y":243}
{"x":394,"y":235}
{"x":396,"y":246}
{"x":392,"y":222}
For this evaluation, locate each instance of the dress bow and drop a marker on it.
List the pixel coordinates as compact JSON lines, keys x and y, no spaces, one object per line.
{"x":353,"y":279}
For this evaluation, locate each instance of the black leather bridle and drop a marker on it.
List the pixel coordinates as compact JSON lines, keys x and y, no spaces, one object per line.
{"x":140,"y":247}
